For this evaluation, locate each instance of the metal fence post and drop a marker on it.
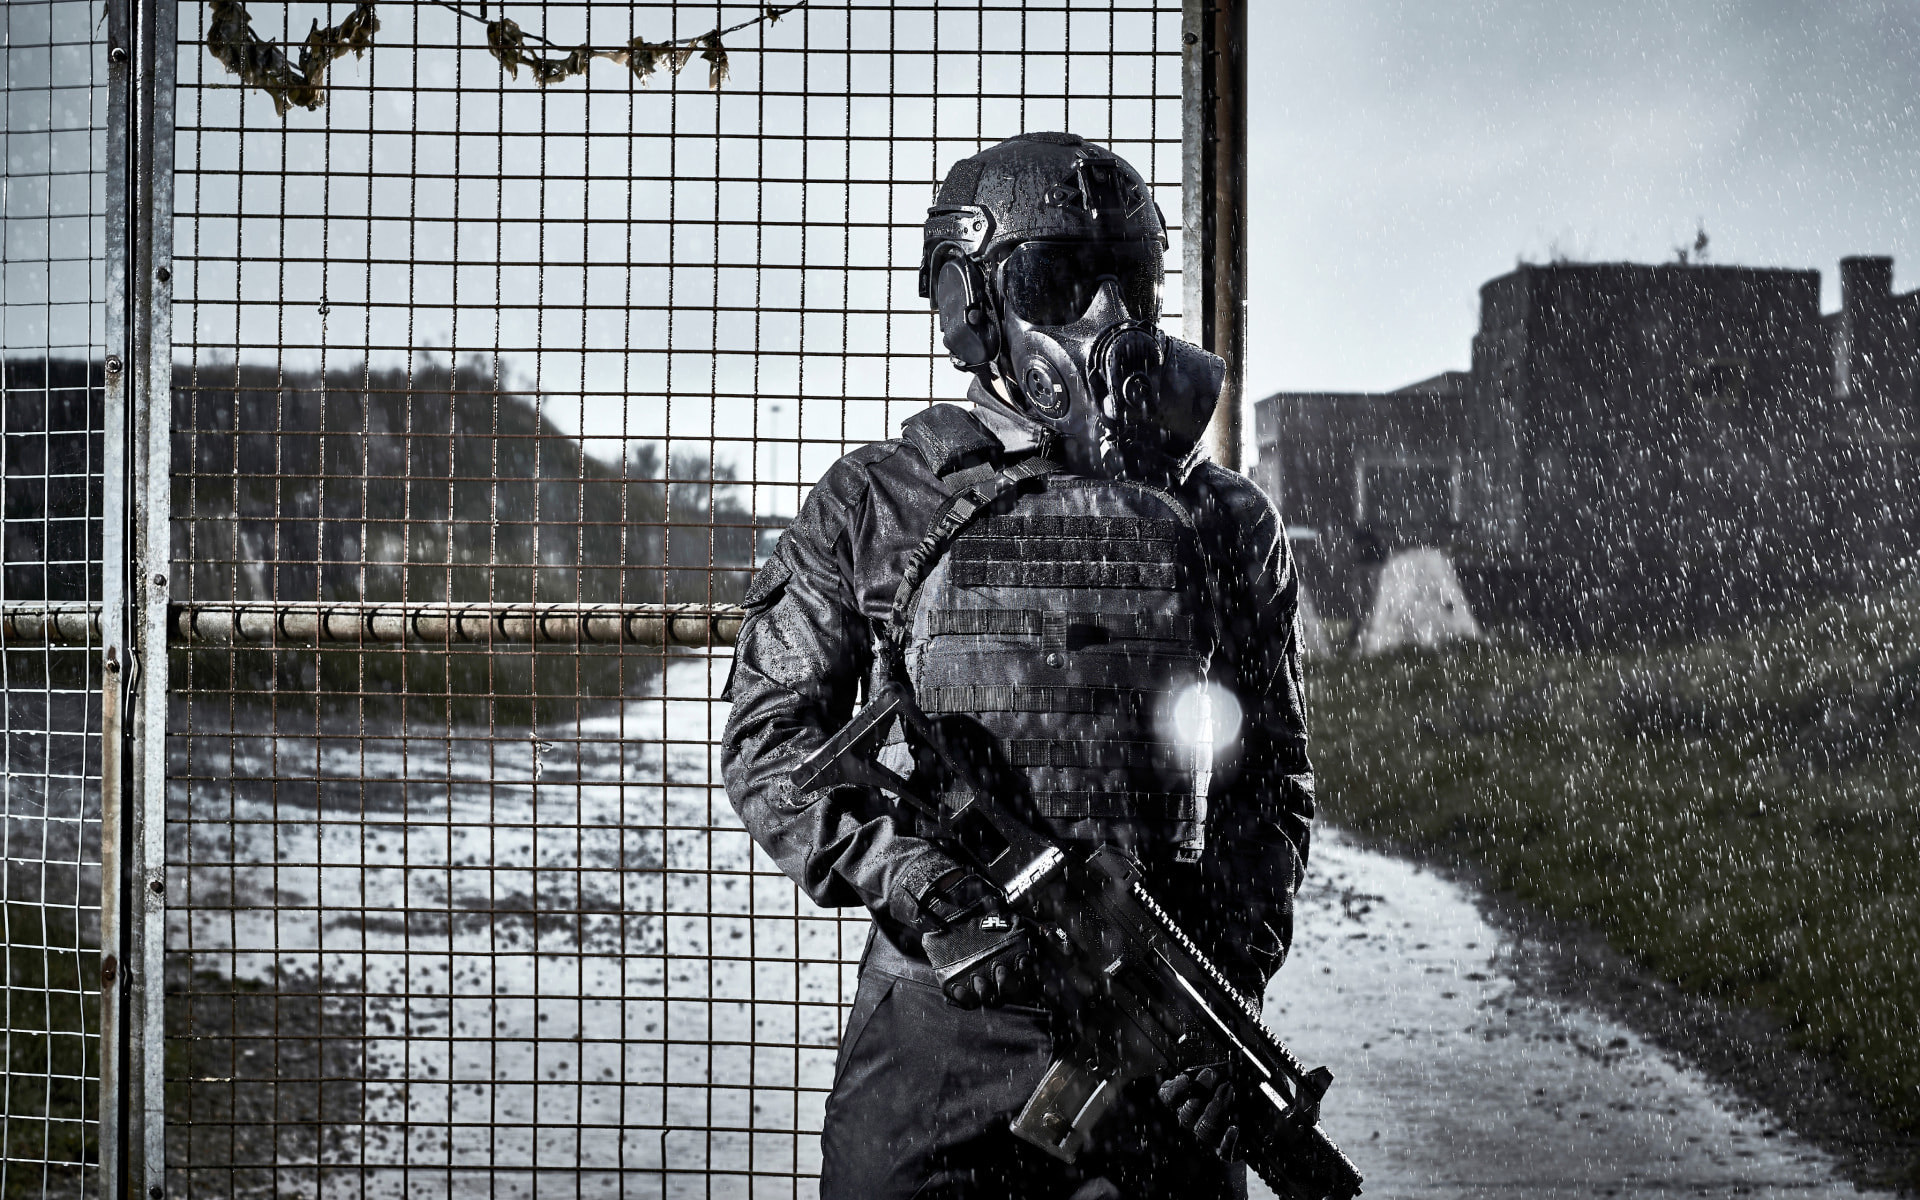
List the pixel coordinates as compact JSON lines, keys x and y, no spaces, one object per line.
{"x":1214,"y":168}
{"x":141,"y":912}
{"x":113,"y":623}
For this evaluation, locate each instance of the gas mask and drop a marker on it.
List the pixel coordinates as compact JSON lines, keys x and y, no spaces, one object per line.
{"x":1084,"y":355}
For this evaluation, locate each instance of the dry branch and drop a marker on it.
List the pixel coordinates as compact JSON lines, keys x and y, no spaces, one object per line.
{"x":266,"y":65}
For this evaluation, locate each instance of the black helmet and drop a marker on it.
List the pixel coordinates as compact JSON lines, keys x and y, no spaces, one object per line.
{"x":1037,"y":187}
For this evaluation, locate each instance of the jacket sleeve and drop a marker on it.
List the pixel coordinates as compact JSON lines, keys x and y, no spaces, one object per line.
{"x":1260,"y":827}
{"x":801,"y":654}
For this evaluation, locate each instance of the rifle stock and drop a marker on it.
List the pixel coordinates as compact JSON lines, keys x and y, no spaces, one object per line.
{"x":1146,"y":1001}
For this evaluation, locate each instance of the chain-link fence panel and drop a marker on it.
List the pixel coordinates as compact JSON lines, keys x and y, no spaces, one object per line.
{"x":505,"y":349}
{"x":52,"y":415}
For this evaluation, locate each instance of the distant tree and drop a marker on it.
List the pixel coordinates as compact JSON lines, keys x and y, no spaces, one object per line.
{"x":430,"y":485}
{"x":1696,"y":253}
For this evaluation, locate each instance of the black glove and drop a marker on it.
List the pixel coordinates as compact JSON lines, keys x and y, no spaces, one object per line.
{"x":954,"y":898}
{"x":1202,"y":1098}
{"x":984,"y":959}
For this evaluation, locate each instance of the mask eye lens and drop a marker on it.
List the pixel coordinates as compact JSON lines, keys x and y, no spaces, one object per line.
{"x":1053,"y":283}
{"x":1045,"y":284}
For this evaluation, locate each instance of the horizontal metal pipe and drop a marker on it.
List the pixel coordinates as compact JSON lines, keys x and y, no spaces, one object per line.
{"x":356,"y":623}
{"x":35,"y":623}
{"x":352,"y":623}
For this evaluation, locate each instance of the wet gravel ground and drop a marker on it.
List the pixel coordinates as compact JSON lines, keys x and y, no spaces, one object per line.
{"x":1459,"y":1074}
{"x":483,"y":1025}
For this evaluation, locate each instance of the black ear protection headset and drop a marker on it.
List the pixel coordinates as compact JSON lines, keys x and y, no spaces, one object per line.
{"x":951,"y":275}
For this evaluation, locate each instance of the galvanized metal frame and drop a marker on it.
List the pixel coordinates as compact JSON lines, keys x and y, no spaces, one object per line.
{"x":132,"y":615}
{"x":134,"y":621}
{"x":110,"y":621}
{"x":1214,"y":185}
{"x":150,"y":571}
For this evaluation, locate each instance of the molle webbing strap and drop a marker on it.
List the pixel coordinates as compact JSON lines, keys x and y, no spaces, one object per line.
{"x":1033,"y":622}
{"x":1007,"y":697}
{"x":1129,"y":529}
{"x":1100,"y":753}
{"x":973,"y":548}
{"x":1056,"y":574}
{"x":1105,"y":806}
{"x":1067,"y":552}
{"x":954,"y":515}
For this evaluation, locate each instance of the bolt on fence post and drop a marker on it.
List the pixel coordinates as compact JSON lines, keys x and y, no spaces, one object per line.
{"x":1214,"y":202}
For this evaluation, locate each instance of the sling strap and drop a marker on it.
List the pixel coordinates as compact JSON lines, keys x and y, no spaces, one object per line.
{"x":954,"y":516}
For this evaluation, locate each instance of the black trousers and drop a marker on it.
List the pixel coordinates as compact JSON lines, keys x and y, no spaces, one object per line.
{"x":923,"y":1093}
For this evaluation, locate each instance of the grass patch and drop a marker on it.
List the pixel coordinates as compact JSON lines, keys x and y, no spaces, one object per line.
{"x":1740,"y":815}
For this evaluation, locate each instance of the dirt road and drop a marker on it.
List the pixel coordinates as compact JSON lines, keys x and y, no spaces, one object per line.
{"x":1455,"y":1079}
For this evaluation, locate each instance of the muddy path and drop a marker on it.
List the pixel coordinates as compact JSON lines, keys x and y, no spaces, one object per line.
{"x":1462,"y":1070}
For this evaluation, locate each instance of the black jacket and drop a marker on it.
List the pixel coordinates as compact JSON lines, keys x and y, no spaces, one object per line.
{"x":805,"y":649}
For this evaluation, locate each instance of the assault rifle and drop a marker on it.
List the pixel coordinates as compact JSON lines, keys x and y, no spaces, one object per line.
{"x":1142,"y":998}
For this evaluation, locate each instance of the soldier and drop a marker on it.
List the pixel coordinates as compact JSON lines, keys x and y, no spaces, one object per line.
{"x":1105,"y":619}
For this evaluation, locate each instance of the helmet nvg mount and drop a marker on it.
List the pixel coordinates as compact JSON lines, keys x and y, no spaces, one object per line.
{"x":1043,"y":257}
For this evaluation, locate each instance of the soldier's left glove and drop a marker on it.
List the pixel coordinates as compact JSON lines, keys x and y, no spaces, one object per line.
{"x":1202,"y":1097}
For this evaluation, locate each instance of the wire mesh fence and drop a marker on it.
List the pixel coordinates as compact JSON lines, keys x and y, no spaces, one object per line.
{"x":52,"y":350}
{"x":488,"y":398}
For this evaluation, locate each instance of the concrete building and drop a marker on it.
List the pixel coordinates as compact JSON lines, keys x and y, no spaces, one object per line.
{"x":1358,"y":475}
{"x":1637,"y":451}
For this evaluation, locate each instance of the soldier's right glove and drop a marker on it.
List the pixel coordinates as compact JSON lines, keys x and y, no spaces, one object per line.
{"x":954,"y":897}
{"x":982,"y":960}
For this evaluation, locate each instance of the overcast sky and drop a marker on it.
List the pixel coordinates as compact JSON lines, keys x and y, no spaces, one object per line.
{"x":1405,"y":152}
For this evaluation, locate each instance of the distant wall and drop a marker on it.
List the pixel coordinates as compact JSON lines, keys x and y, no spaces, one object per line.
{"x":1638,"y":451}
{"x":1363,"y":475}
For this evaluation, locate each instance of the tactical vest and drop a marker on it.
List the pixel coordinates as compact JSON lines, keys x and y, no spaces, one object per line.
{"x":1058,"y":633}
